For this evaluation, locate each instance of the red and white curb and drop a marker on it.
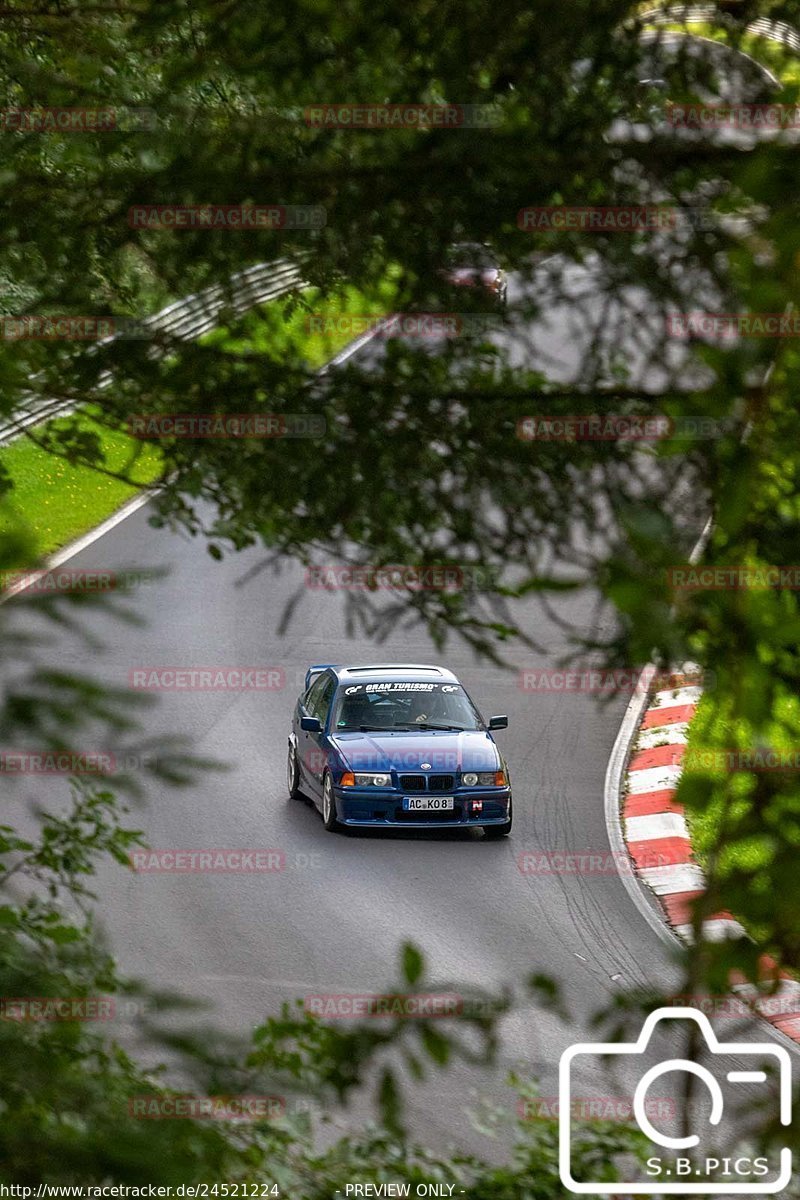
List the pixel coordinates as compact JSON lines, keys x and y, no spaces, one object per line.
{"x":657,"y":839}
{"x":655,"y":828}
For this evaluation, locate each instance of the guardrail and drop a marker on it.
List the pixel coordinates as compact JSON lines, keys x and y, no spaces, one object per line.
{"x":776,"y":31}
{"x":183,"y":320}
{"x":680,"y":12}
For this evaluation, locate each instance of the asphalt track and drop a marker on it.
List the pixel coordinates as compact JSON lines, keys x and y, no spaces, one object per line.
{"x":333,"y":920}
{"x":336,"y":924}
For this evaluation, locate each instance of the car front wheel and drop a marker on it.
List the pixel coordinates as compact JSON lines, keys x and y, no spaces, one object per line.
{"x":293,"y":775}
{"x":329,"y":818}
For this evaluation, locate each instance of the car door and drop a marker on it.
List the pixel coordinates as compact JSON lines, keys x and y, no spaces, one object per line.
{"x":313,"y":746}
{"x":306,"y":707}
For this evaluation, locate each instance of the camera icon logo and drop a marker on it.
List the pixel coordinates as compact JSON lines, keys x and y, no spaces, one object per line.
{"x":674,"y":1172}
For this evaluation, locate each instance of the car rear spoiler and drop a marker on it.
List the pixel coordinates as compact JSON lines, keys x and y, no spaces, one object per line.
{"x":316,"y":669}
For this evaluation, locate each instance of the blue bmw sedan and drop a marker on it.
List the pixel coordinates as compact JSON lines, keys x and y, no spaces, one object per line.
{"x":397,"y":745}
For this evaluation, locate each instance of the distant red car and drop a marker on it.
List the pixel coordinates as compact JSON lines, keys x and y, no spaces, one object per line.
{"x":473,"y":264}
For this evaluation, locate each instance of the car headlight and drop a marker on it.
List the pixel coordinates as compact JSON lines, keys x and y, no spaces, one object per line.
{"x":484,"y":779}
{"x":373,"y":780}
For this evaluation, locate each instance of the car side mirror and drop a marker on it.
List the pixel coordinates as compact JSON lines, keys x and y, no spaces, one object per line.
{"x":311,"y":724}
{"x":498,"y":722}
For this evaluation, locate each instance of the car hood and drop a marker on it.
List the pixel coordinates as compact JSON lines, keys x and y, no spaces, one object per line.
{"x":472,"y":750}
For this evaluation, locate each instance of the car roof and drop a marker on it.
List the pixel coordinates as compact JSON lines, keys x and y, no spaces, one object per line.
{"x":405,"y":672}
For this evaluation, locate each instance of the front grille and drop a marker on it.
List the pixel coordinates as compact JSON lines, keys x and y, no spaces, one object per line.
{"x":412,"y":783}
{"x":435,"y":783}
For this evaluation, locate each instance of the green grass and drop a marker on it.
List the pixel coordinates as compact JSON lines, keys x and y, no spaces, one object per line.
{"x":720,"y":803}
{"x":287,"y":332}
{"x":53,"y":502}
{"x":716,"y":826}
{"x":705,"y":825}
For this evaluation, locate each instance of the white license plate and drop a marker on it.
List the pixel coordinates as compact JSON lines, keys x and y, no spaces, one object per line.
{"x":428,"y":803}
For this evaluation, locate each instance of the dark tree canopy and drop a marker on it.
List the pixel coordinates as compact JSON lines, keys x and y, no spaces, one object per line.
{"x":422,"y":461}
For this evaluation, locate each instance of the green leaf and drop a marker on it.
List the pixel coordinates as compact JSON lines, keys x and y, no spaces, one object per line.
{"x":412,"y":963}
{"x":436,"y":1044}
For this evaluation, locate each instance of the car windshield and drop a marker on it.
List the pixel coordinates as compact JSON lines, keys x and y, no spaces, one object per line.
{"x":405,"y":706}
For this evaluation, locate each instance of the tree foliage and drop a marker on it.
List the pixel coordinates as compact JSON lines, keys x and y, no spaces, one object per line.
{"x":421,"y":462}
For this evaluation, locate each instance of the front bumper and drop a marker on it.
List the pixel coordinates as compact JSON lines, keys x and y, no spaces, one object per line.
{"x":378,"y":808}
